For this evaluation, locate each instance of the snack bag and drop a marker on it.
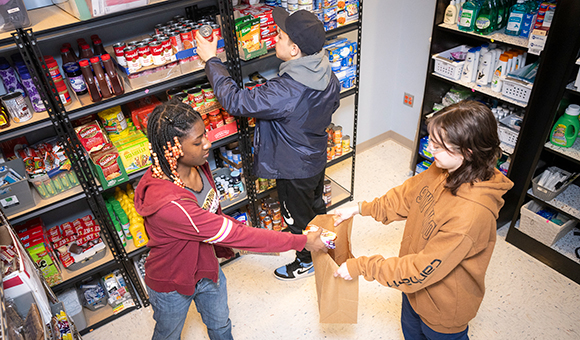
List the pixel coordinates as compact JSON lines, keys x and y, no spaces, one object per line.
{"x":92,"y":136}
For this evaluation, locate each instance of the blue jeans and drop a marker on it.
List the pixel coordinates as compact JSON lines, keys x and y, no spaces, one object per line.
{"x":211,"y":299}
{"x":415,"y":329}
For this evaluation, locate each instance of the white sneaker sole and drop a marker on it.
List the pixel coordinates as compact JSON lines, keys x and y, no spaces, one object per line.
{"x":293,"y":279}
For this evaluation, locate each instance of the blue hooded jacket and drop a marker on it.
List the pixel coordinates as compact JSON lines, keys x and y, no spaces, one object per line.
{"x":291,"y":117}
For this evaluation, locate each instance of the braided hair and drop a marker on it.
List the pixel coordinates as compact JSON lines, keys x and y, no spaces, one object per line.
{"x":166,"y":122}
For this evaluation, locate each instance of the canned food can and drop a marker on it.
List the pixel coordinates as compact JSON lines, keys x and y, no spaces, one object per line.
{"x":345,"y":143}
{"x":157,"y":53}
{"x":337,"y":138}
{"x":267,"y":223}
{"x":263,"y":184}
{"x":132,"y":43}
{"x":147,"y":40}
{"x":305,"y":7}
{"x":187,"y":38}
{"x":250,"y":85}
{"x":167,"y":49}
{"x":120,"y":54}
{"x":196,"y":96}
{"x":16,"y":106}
{"x":176,"y":44}
{"x":276,"y":224}
{"x":206,"y":31}
{"x":132,"y":58}
{"x":158,"y":28}
{"x":262,"y":215}
{"x":217,"y":30}
{"x":338,"y":149}
{"x":144,"y":54}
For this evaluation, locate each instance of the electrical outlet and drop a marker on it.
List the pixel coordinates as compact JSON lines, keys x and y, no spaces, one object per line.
{"x":409,"y":99}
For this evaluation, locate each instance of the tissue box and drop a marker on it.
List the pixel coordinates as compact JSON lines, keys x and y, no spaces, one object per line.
{"x":87,"y":9}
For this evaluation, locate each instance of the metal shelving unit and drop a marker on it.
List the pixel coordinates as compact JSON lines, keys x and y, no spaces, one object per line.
{"x":52,"y":26}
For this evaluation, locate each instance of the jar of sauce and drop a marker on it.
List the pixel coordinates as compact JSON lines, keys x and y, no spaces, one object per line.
{"x":215,"y":119}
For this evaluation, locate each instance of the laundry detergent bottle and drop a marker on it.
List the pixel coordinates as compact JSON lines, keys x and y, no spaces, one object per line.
{"x":566,"y":129}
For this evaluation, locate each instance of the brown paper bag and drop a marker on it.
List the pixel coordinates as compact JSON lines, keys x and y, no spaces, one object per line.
{"x":337,"y":298}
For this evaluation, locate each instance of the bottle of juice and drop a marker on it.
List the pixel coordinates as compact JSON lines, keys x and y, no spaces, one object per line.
{"x":566,"y":129}
{"x":486,"y":21}
{"x":469,"y":13}
{"x":514,"y":24}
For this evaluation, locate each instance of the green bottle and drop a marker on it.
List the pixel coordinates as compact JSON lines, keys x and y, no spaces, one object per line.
{"x":566,"y":129}
{"x":501,"y":16}
{"x":486,"y":21}
{"x":469,"y":13}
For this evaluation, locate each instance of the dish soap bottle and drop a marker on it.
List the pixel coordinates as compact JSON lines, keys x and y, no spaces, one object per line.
{"x":566,"y":129}
{"x":514,"y":24}
{"x":469,"y":13}
{"x":486,"y":21}
{"x":451,"y":13}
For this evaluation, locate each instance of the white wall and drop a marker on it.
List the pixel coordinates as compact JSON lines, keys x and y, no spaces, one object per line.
{"x":394,"y":59}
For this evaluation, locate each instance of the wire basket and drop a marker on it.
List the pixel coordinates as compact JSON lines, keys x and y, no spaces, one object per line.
{"x":516,"y":89}
{"x":445,"y":66}
{"x":546,"y":194}
{"x":507,"y":135}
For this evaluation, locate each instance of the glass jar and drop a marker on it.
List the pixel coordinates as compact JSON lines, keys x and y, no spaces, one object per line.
{"x":215,"y":119}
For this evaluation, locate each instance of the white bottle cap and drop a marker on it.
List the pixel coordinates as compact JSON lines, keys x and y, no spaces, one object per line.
{"x":573,"y":110}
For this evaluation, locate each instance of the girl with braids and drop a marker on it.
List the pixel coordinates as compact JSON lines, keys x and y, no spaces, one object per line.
{"x":187,"y":229}
{"x":451,"y":211}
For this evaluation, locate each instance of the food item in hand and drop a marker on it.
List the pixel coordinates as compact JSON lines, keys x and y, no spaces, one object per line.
{"x":328,"y":237}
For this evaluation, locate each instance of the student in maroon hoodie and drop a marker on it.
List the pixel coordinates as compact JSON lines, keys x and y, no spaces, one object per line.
{"x":187,"y":229}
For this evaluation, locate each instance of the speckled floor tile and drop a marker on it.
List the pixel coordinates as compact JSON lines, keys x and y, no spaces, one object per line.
{"x":525,"y":299}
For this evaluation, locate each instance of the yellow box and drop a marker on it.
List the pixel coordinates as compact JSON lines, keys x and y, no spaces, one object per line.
{"x":135,"y":155}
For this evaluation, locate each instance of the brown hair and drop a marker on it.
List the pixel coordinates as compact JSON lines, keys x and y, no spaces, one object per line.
{"x":469,"y":128}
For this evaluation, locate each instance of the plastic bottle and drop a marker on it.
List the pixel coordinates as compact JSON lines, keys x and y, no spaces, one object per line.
{"x":100,"y":75}
{"x":486,"y":21}
{"x":470,"y":67}
{"x":86,"y":52}
{"x":500,"y":73}
{"x":514,"y":24}
{"x":75,"y":77}
{"x":484,"y":70}
{"x":120,"y":232}
{"x":90,"y":81}
{"x":72,"y":52}
{"x":566,"y":129}
{"x":113,"y":76}
{"x":98,"y":47}
{"x":35,"y":99}
{"x":67,"y":56}
{"x":9,"y":78}
{"x":451,"y":13}
{"x":469,"y":13}
{"x":500,"y":8}
{"x":458,"y":5}
{"x":139,"y":235}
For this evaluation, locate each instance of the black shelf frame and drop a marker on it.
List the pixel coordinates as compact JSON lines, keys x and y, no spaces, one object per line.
{"x":25,"y":129}
{"x":45,"y":209}
{"x":106,"y":320}
{"x":557,"y":62}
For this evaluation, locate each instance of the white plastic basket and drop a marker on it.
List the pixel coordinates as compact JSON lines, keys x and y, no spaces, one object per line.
{"x":445,"y":66}
{"x":540,"y":228}
{"x":516,"y":89}
{"x":507,"y":135}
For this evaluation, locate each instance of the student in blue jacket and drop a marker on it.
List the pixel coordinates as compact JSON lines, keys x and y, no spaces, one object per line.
{"x":292,"y":112}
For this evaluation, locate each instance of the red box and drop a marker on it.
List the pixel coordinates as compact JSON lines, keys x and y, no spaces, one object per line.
{"x":270,"y":42}
{"x":222,"y":132}
{"x":31,"y":242}
{"x":30,"y":229}
{"x":140,"y":109}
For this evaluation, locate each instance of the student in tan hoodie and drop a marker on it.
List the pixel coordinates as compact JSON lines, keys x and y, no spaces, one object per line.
{"x":451,"y":211}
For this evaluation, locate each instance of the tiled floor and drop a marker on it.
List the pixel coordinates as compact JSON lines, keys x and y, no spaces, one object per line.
{"x":525,"y":299}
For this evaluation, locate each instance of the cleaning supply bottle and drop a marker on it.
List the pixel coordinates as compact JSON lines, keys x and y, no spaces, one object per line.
{"x":566,"y":129}
{"x":469,"y":13}
{"x":486,"y":18}
{"x":458,"y":5}
{"x":451,"y":13}
{"x":500,"y":73}
{"x":517,"y":12}
{"x":501,"y":16}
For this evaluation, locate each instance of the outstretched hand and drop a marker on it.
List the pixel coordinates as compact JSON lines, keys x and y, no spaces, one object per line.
{"x":314,"y":243}
{"x":344,"y":214}
{"x":206,"y":49}
{"x":342,"y":272}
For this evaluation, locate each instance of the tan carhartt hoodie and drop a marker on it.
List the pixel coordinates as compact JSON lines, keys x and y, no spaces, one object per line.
{"x":446,"y":245}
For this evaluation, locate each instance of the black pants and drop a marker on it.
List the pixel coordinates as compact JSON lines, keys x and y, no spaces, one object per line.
{"x":301,"y":200}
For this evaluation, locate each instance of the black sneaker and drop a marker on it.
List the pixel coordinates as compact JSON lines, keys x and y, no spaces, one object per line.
{"x":294,"y":271}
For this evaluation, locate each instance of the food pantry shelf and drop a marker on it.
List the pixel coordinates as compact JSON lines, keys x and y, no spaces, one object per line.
{"x":45,"y":205}
{"x":38,"y":121}
{"x":568,"y":201}
{"x":483,"y":89}
{"x":573,"y":88}
{"x":498,"y":36}
{"x":51,"y":22}
{"x":68,"y":275}
{"x":101,"y":316}
{"x":339,"y":195}
{"x":572,"y":152}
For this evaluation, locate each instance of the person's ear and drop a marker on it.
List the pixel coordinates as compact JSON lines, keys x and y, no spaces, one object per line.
{"x":295,"y":50}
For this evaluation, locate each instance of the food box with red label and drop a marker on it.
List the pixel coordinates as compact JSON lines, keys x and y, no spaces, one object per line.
{"x":109,"y":167}
{"x":222,"y":132}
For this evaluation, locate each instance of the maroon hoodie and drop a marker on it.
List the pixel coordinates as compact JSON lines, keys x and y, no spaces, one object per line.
{"x":184,"y":238}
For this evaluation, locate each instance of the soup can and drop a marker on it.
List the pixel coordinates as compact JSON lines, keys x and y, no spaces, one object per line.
{"x":144,"y":54}
{"x":132,"y":58}
{"x":186,"y":38}
{"x":120,"y":53}
{"x":167,"y":49}
{"x":176,"y":44}
{"x":157,"y":53}
{"x":17,"y":108}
